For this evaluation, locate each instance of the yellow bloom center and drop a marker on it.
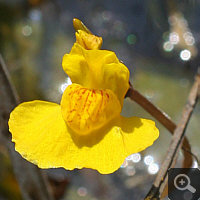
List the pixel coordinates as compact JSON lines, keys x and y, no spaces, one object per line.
{"x":85,"y":110}
{"x":88,"y":41}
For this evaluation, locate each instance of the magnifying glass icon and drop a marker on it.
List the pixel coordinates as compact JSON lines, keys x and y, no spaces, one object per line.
{"x":182,"y":182}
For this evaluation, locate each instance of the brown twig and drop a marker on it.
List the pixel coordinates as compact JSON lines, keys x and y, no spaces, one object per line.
{"x":176,"y":143}
{"x":164,"y":119}
{"x":32,"y":182}
{"x":161,"y":116}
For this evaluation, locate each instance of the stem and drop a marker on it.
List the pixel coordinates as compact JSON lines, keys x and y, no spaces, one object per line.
{"x":176,"y":142}
{"x":161,"y":116}
{"x":164,"y":119}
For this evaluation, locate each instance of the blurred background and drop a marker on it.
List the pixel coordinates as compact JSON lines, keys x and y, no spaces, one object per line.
{"x":159,"y":41}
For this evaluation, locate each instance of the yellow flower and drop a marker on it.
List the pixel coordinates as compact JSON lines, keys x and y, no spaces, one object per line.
{"x":86,"y":129}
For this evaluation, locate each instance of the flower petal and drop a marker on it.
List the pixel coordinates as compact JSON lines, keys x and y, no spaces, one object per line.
{"x":42,"y":137}
{"x":88,"y":41}
{"x":107,"y":149}
{"x":138,"y":133}
{"x":85,"y":110}
{"x":97,"y":69}
{"x":39,"y":133}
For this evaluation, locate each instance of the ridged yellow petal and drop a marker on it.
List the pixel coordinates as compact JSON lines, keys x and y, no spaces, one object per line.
{"x":97,"y":69}
{"x":42,"y":137}
{"x":39,"y":133}
{"x":88,"y":41}
{"x":85,"y":109}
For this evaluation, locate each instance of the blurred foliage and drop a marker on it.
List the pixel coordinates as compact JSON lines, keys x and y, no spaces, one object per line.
{"x":9,"y":188}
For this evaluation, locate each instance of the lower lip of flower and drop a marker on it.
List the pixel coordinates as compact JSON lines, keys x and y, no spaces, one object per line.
{"x":85,"y":110}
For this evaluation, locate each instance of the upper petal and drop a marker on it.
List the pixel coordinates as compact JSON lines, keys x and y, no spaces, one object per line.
{"x":88,"y":40}
{"x":97,"y":69}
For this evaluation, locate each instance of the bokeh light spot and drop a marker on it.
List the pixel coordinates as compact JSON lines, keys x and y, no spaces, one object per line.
{"x":131,"y":39}
{"x":136,"y":157}
{"x":153,"y":168}
{"x":189,"y":39}
{"x":148,"y":160}
{"x":63,"y":86}
{"x":27,"y":30}
{"x":168,"y":46}
{"x":174,"y":38}
{"x":130,"y":171}
{"x":82,"y":191}
{"x":185,"y":55}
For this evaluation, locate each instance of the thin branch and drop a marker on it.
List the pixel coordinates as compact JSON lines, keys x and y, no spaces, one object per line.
{"x":32,"y":182}
{"x":161,"y":116}
{"x":164,"y":119}
{"x":176,"y":143}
